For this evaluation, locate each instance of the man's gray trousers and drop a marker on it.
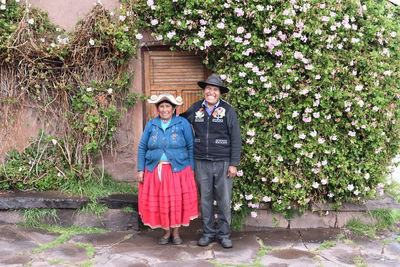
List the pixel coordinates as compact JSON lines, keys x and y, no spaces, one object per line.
{"x":214,"y":184}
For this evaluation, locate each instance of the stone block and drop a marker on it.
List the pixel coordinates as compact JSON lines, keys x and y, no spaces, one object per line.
{"x":343,"y":217}
{"x":47,"y":199}
{"x":119,"y":220}
{"x":117,"y":201}
{"x":265,"y":219}
{"x":313,"y":220}
{"x":11,"y":216}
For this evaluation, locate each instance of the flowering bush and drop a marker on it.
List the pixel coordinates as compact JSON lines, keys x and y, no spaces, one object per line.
{"x":315,"y":84}
{"x":78,"y":81}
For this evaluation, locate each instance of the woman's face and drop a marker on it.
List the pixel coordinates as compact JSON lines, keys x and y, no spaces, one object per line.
{"x":166,"y":110}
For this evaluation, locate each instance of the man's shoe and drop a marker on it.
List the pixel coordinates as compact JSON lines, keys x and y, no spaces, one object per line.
{"x":226,"y":243}
{"x":205,"y":241}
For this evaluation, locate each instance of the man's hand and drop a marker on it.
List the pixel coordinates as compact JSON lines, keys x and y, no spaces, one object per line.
{"x":232,"y":170}
{"x":140,"y":176}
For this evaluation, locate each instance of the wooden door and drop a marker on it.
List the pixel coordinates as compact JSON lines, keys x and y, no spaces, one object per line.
{"x":176,"y":73}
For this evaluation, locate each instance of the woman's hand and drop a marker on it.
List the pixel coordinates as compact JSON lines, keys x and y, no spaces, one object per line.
{"x":140,"y":176}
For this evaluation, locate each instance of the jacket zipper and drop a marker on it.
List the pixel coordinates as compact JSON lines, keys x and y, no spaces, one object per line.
{"x":208,"y":127}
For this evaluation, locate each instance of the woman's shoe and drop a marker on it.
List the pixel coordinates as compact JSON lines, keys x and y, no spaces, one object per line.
{"x":177,"y":241}
{"x":164,"y":241}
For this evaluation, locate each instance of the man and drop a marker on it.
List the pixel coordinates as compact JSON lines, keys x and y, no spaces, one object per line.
{"x":217,"y":154}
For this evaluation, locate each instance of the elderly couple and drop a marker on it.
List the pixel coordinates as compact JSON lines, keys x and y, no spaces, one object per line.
{"x":167,"y":160}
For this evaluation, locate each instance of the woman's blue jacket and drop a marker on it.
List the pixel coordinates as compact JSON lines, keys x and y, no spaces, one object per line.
{"x":176,"y":142}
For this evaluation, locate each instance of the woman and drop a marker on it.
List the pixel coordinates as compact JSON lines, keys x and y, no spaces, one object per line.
{"x":167,"y":189}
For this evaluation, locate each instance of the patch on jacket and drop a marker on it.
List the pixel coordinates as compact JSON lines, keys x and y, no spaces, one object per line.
{"x":221,"y":141}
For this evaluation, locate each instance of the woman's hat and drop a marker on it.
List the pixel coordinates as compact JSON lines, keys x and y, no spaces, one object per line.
{"x":155,"y":99}
{"x":214,"y":80}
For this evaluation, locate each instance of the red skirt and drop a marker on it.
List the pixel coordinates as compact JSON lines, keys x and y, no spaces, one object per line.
{"x":170,"y":201}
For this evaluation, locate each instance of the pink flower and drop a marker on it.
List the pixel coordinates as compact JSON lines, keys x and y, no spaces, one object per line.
{"x":239,"y":173}
{"x":306,"y":119}
{"x":154,"y":22}
{"x":309,"y":67}
{"x":253,"y":214}
{"x":351,"y":133}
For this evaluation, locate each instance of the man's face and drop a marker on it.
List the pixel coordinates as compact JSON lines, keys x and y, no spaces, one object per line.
{"x":212,"y":94}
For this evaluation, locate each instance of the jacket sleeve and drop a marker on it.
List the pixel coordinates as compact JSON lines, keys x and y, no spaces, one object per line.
{"x":142,"y":149}
{"x":236,"y":139}
{"x":188,"y":114}
{"x":188,"y":133}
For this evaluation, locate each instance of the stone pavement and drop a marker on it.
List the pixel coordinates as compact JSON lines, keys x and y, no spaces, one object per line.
{"x":273,"y":248}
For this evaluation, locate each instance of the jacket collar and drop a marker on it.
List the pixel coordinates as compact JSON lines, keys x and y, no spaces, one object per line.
{"x":157,"y":121}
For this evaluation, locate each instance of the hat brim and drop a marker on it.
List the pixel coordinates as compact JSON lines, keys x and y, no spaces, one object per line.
{"x":222,"y":88}
{"x":169,"y":99}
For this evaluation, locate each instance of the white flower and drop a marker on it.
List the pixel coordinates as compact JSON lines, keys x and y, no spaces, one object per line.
{"x":315,"y":185}
{"x":251,"y":132}
{"x":275,"y":180}
{"x":316,"y":115}
{"x":321,"y":140}
{"x":266,"y":199}
{"x":297,"y":145}
{"x":54,"y":141}
{"x":264,"y":179}
{"x":91,"y":42}
{"x":324,"y":181}
{"x":359,"y":87}
{"x":3,"y":7}
{"x":250,"y":141}
{"x":313,"y":133}
{"x":356,"y":192}
{"x":139,"y":36}
{"x":239,"y":173}
{"x":109,"y":90}
{"x":122,"y":18}
{"x":89,"y":89}
{"x":289,"y":127}
{"x":393,"y":34}
{"x":277,"y":136}
{"x":237,"y":206}
{"x":280,"y":158}
{"x":350,"y":187}
{"x":220,"y":25}
{"x":249,"y":197}
{"x":154,"y":22}
{"x":171,"y":34}
{"x":253,"y":214}
{"x":351,"y":133}
{"x":257,"y":158}
{"x":297,"y":186}
{"x":31,"y":21}
{"x":387,"y":73}
{"x":207,"y":43}
{"x":331,"y":195}
{"x":302,"y":136}
{"x":258,"y":115}
{"x":240,"y":30}
{"x":295,"y":114}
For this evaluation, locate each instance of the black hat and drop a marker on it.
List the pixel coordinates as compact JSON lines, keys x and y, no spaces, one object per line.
{"x":215,"y":80}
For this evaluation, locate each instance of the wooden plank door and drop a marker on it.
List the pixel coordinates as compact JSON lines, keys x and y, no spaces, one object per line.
{"x":175,"y":73}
